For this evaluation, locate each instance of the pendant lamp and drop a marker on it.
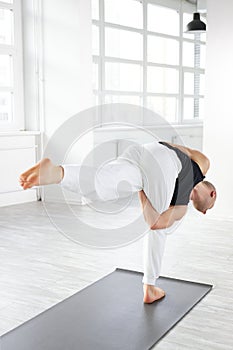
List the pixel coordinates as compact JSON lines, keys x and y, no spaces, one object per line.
{"x":196,"y":25}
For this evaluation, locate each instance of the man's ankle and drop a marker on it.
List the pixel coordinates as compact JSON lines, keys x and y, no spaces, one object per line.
{"x":148,"y":286}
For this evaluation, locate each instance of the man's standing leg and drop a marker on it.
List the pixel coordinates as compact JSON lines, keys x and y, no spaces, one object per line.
{"x":160,"y":169}
{"x":154,"y":246}
{"x":153,"y":250}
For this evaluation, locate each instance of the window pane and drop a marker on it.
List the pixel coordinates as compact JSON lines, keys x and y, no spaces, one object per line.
{"x":125,"y":12}
{"x":162,"y":80}
{"x":167,"y":107}
{"x":189,"y":83}
{"x":123,"y":76}
{"x":202,"y":84}
{"x":123,"y":44}
{"x":188,"y":108}
{"x":187,"y":17}
{"x":203,"y":37}
{"x":201,"y":108}
{"x":188,"y":54}
{"x":162,"y":50}
{"x":95,"y":76}
{"x":135,"y":100}
{"x":194,"y":83}
{"x":5,"y":107}
{"x":5,"y":70}
{"x":203,"y":56}
{"x":95,"y":40}
{"x":95,"y":9}
{"x":6,"y":26}
{"x":193,"y":108}
{"x":163,"y":20}
{"x":199,"y":55}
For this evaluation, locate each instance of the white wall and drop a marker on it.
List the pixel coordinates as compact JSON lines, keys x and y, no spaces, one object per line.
{"x":18,"y":151}
{"x":218,"y":126}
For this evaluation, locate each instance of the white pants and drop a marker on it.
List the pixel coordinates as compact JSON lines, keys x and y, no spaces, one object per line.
{"x":151,"y":167}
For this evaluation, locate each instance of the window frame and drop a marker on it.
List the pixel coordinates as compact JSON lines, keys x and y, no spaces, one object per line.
{"x":101,"y":58}
{"x":15,"y":50}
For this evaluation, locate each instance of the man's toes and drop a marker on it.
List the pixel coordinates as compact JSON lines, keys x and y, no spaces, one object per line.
{"x":27,"y":173}
{"x":27,"y":185}
{"x":22,"y":178}
{"x":32,"y":180}
{"x":161,"y":291}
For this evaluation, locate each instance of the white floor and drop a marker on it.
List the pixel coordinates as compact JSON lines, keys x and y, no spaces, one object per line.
{"x":40,"y":267}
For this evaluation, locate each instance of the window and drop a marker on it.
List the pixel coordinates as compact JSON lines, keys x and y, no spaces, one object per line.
{"x":138,"y":58}
{"x":11,"y":71}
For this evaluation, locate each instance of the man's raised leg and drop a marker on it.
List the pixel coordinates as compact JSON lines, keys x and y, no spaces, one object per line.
{"x":43,"y":173}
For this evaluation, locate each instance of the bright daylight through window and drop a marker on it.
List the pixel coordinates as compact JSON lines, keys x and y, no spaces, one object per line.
{"x":145,"y":58}
{"x":11,"y":71}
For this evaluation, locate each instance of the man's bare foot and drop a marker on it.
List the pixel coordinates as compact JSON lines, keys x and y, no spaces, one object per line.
{"x":43,"y":173}
{"x":152,"y":293}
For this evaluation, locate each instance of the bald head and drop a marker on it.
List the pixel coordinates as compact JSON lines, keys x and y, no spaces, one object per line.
{"x":204,"y":196}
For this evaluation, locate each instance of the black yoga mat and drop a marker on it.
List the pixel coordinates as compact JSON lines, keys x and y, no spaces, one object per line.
{"x":108,"y":314}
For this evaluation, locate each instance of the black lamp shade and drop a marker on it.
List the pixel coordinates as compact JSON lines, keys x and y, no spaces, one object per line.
{"x":196,"y":25}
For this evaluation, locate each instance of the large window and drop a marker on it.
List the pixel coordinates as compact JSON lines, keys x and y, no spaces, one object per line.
{"x":11,"y":71}
{"x":141,"y":55}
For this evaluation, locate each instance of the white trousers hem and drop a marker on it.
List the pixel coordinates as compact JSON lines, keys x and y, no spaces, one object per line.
{"x":150,"y":281}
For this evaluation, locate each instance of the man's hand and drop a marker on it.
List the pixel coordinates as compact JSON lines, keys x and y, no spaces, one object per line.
{"x":196,"y":156}
{"x":158,"y":221}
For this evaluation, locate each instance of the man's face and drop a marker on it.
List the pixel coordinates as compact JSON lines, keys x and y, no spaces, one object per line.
{"x":200,"y":205}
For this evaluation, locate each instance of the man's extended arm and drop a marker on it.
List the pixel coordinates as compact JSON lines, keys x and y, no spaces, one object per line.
{"x":151,"y":216}
{"x":158,"y":221}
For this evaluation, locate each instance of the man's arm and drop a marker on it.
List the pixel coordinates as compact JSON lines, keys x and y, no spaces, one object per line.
{"x":151,"y":215}
{"x":168,"y":217}
{"x":158,"y":221}
{"x":196,"y":156}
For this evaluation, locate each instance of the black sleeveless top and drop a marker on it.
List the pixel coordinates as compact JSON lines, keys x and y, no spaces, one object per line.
{"x":189,"y":176}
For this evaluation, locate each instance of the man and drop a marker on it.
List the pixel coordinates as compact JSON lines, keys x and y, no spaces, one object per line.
{"x":166,"y":177}
{"x":189,"y":185}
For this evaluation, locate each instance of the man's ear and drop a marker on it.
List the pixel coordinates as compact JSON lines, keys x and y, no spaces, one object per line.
{"x":213,"y":194}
